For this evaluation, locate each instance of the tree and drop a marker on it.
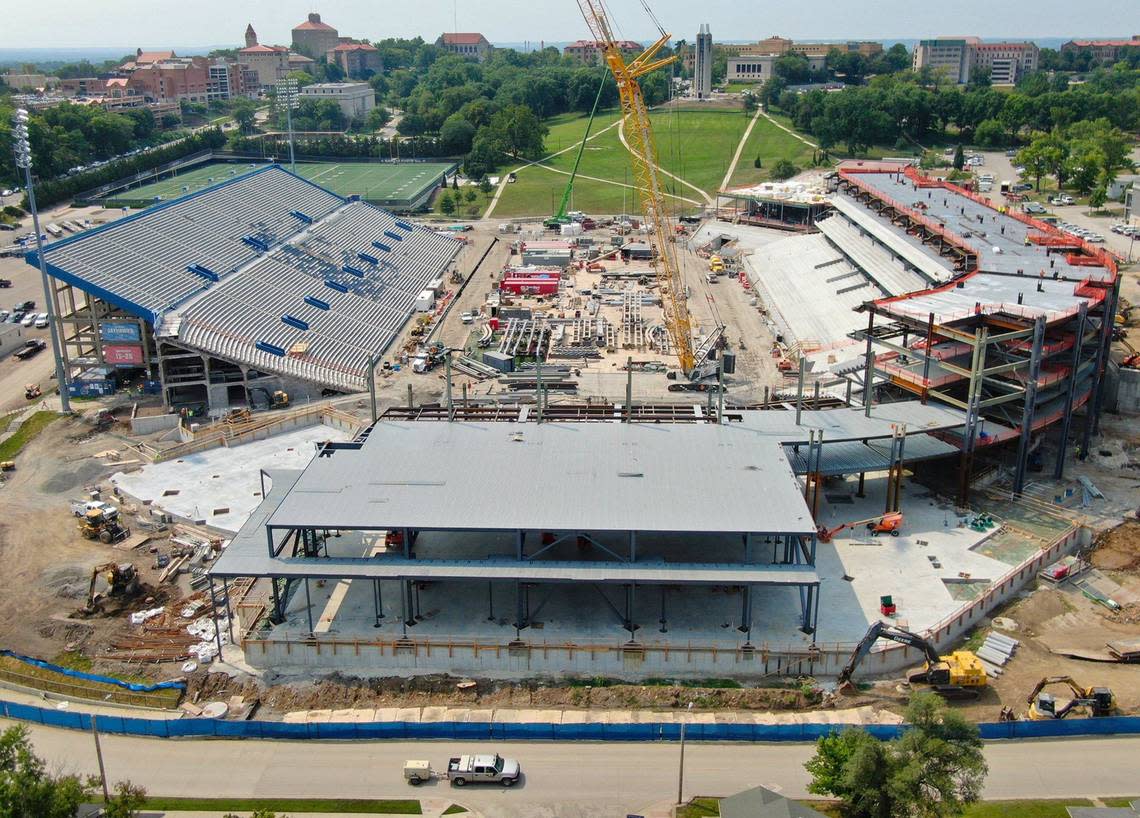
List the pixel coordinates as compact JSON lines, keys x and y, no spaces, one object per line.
{"x":940,"y":768}
{"x":485,"y":186}
{"x":783,"y":169}
{"x":446,"y":204}
{"x":126,"y":802}
{"x":934,"y":770}
{"x":1099,"y":195}
{"x":990,"y":134}
{"x":27,"y":789}
{"x":517,"y":131}
{"x":244,"y":112}
{"x":456,"y":135}
{"x":748,"y":102}
{"x":470,"y":195}
{"x":959,"y":158}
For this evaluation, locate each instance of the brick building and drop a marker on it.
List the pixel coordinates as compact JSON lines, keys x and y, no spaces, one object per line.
{"x":313,"y":38}
{"x":957,"y":58}
{"x":1103,"y":51}
{"x":356,"y":60}
{"x":471,"y":45}
{"x":589,"y":52}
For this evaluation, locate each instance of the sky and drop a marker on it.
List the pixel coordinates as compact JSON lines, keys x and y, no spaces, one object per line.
{"x":153,"y":23}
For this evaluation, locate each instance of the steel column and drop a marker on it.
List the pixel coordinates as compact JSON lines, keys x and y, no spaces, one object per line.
{"x":1030,"y":406}
{"x":1070,"y":394}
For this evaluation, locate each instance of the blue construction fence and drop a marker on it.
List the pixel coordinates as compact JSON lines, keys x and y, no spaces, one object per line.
{"x":503,"y":731}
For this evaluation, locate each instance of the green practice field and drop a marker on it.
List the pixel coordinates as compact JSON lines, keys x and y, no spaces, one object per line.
{"x":403,"y":186}
{"x":695,"y":145}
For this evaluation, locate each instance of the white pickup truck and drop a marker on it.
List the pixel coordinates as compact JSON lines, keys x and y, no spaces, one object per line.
{"x":480,"y":769}
{"x":80,"y":507}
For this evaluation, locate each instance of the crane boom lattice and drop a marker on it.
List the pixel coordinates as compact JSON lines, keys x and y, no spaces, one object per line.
{"x":650,"y":188}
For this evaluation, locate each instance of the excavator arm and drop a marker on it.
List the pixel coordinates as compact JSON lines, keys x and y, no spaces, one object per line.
{"x":881,"y":630}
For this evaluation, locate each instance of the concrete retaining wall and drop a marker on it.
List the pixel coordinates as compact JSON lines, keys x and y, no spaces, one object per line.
{"x":149,"y":424}
{"x":1127,"y":392}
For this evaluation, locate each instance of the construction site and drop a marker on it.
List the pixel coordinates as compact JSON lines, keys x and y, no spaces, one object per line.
{"x":867,"y":425}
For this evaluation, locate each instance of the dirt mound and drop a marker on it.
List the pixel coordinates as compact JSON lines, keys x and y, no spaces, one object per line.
{"x":1118,"y":549}
{"x":340,"y":692}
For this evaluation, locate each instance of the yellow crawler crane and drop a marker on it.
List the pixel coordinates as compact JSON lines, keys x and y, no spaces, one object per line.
{"x":643,"y":148}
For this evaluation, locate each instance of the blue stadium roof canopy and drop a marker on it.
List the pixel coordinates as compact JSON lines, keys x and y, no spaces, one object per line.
{"x":233,"y":271}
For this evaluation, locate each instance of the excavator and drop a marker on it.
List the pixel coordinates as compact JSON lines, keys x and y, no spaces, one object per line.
{"x":888,"y":523}
{"x":103,"y":524}
{"x":959,"y":675}
{"x":1097,"y":701}
{"x":121,"y":579}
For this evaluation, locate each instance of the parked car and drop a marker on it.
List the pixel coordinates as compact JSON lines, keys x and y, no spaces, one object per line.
{"x":26,"y":305}
{"x":1034,"y":207}
{"x":467,"y":317}
{"x":5,"y":283}
{"x":28,"y":320}
{"x":42,"y":321}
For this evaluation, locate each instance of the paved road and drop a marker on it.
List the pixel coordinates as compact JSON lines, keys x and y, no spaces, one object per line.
{"x":571,"y":779}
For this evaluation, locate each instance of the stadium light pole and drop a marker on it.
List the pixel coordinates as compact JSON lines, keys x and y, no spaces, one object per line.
{"x":23,"y":150}
{"x":287,"y":96}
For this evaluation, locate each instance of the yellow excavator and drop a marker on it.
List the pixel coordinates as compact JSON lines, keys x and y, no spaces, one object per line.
{"x":1096,"y":701}
{"x":959,"y":675}
{"x":120,"y":582}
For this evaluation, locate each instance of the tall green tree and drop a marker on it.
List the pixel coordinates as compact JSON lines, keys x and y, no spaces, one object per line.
{"x":934,"y":770}
{"x":27,"y":789}
{"x":959,"y":157}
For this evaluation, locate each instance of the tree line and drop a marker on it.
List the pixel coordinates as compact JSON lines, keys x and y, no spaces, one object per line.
{"x":900,"y":110}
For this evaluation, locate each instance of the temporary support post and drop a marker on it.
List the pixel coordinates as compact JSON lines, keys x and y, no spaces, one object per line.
{"x":629,"y":390}
{"x":1096,"y":397}
{"x":214,"y":616}
{"x":447,"y":388}
{"x":664,"y":625}
{"x":847,"y":398}
{"x":410,"y":404}
{"x":520,"y":609}
{"x":278,"y":614}
{"x":746,"y":610}
{"x":404,"y":607}
{"x":372,"y":385}
{"x":977,"y":364}
{"x":1030,"y":405}
{"x":377,"y":603}
{"x":629,"y":623}
{"x":720,"y":389}
{"x":869,"y":368}
{"x":538,"y":389}
{"x":815,"y":397}
{"x":868,"y":384}
{"x":229,"y":613}
{"x":800,"y":390}
{"x":1070,"y":395}
{"x":926,"y":361}
{"x":308,"y":607}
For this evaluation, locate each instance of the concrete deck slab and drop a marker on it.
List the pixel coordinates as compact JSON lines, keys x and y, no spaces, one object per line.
{"x":207,"y":482}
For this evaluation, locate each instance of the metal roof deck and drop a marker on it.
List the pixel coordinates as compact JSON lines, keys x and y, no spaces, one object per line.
{"x":696,"y":478}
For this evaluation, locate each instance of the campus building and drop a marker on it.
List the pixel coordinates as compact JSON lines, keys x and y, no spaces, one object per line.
{"x":958,"y":58}
{"x":356,"y":99}
{"x":314,"y":38}
{"x":590,"y":52}
{"x":356,"y":60}
{"x":1103,"y":51}
{"x":472,"y":45}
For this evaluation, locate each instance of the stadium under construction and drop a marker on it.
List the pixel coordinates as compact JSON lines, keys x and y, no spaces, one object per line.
{"x":626,"y":538}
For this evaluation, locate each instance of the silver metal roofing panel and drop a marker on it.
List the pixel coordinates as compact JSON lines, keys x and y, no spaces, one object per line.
{"x":551,"y":477}
{"x":851,"y":423}
{"x":993,"y":293}
{"x":851,"y":457}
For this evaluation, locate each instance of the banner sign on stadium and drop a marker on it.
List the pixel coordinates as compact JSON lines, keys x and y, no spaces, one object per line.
{"x":119,"y":331}
{"x":90,"y":389}
{"x":122,"y":355}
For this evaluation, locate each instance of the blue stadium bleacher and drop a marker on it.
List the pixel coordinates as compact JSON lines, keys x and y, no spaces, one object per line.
{"x":199,"y":259}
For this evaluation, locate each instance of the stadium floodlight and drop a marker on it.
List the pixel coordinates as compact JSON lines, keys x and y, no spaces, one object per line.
{"x":22,"y":148}
{"x":288,"y":98}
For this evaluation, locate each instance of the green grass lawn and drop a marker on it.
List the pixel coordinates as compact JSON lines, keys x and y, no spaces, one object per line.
{"x":17,"y":672}
{"x":454,"y":809}
{"x":699,"y":808}
{"x":696,"y":145}
{"x":771,"y":144}
{"x":27,"y":432}
{"x":6,"y":421}
{"x":394,"y":806}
